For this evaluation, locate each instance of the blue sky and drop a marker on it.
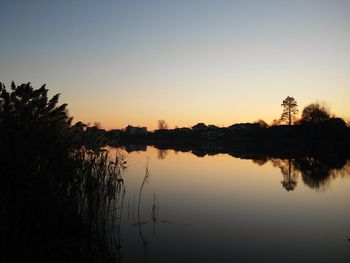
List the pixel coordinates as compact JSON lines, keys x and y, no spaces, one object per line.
{"x":219,"y":62}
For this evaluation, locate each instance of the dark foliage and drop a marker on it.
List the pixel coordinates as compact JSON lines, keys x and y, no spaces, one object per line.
{"x":162,"y":125}
{"x":290,"y":110}
{"x":314,"y":113}
{"x":52,"y":192}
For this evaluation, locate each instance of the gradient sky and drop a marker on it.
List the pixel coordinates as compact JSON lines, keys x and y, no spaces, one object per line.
{"x":218,"y":62}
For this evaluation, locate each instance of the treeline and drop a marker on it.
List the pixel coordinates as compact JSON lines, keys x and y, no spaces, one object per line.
{"x":314,"y":147}
{"x":317,"y":131}
{"x":249,"y":139}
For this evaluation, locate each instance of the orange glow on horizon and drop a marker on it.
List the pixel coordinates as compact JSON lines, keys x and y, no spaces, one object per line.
{"x":109,"y":123}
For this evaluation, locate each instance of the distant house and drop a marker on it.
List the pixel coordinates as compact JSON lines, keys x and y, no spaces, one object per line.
{"x":183,"y":130}
{"x":135,"y":130}
{"x":115,"y":132}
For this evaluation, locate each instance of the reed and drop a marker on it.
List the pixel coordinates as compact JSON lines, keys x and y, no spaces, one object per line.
{"x":60,"y":202}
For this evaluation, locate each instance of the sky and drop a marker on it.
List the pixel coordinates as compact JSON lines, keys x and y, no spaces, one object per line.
{"x":218,"y":62}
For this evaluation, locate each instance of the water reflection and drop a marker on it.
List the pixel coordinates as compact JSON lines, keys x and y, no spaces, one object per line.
{"x":314,"y":173}
{"x":317,"y":174}
{"x":155,"y":212}
{"x":222,"y":208}
{"x":140,"y":223}
{"x":138,"y":210}
{"x":162,"y":154}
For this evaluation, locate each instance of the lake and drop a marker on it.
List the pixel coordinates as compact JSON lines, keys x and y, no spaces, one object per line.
{"x":225,"y":209}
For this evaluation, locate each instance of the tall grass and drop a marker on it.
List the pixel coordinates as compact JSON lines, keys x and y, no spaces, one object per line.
{"x":59,"y":202}
{"x":101,"y":196}
{"x":54,"y":217}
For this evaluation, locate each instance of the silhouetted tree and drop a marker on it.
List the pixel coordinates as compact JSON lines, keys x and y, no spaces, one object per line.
{"x":262,"y":123}
{"x":199,"y":127}
{"x":290,"y":110}
{"x":315,"y":113}
{"x":98,"y":125}
{"x":162,"y":125}
{"x":275,"y":122}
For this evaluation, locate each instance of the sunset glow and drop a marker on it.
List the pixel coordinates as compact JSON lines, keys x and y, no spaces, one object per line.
{"x":222,"y":62}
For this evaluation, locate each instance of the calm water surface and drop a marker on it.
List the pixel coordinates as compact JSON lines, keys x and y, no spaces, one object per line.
{"x":223,"y":209}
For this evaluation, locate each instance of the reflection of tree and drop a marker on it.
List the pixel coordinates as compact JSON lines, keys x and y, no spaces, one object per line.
{"x":345,"y":171}
{"x":290,"y":177}
{"x":315,"y":173}
{"x":290,"y":174}
{"x":162,"y":154}
{"x":261,"y":161}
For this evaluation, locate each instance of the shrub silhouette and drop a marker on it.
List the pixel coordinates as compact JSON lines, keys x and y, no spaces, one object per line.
{"x":53,"y":192}
{"x":315,"y":113}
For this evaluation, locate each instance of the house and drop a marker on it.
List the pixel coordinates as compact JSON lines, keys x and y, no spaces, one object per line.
{"x":131,"y":130}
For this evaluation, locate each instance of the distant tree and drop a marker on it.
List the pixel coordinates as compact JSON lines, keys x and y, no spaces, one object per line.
{"x":199,"y":127}
{"x":98,"y":125}
{"x":315,"y":113}
{"x":162,"y":125}
{"x":275,"y":122}
{"x":262,"y":123}
{"x":290,"y":110}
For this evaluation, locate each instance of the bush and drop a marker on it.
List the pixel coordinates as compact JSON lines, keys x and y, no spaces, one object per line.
{"x":54,"y":194}
{"x":315,"y":113}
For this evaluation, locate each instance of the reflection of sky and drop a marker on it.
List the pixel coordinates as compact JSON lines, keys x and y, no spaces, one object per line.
{"x":220,"y":62}
{"x":222,"y":208}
